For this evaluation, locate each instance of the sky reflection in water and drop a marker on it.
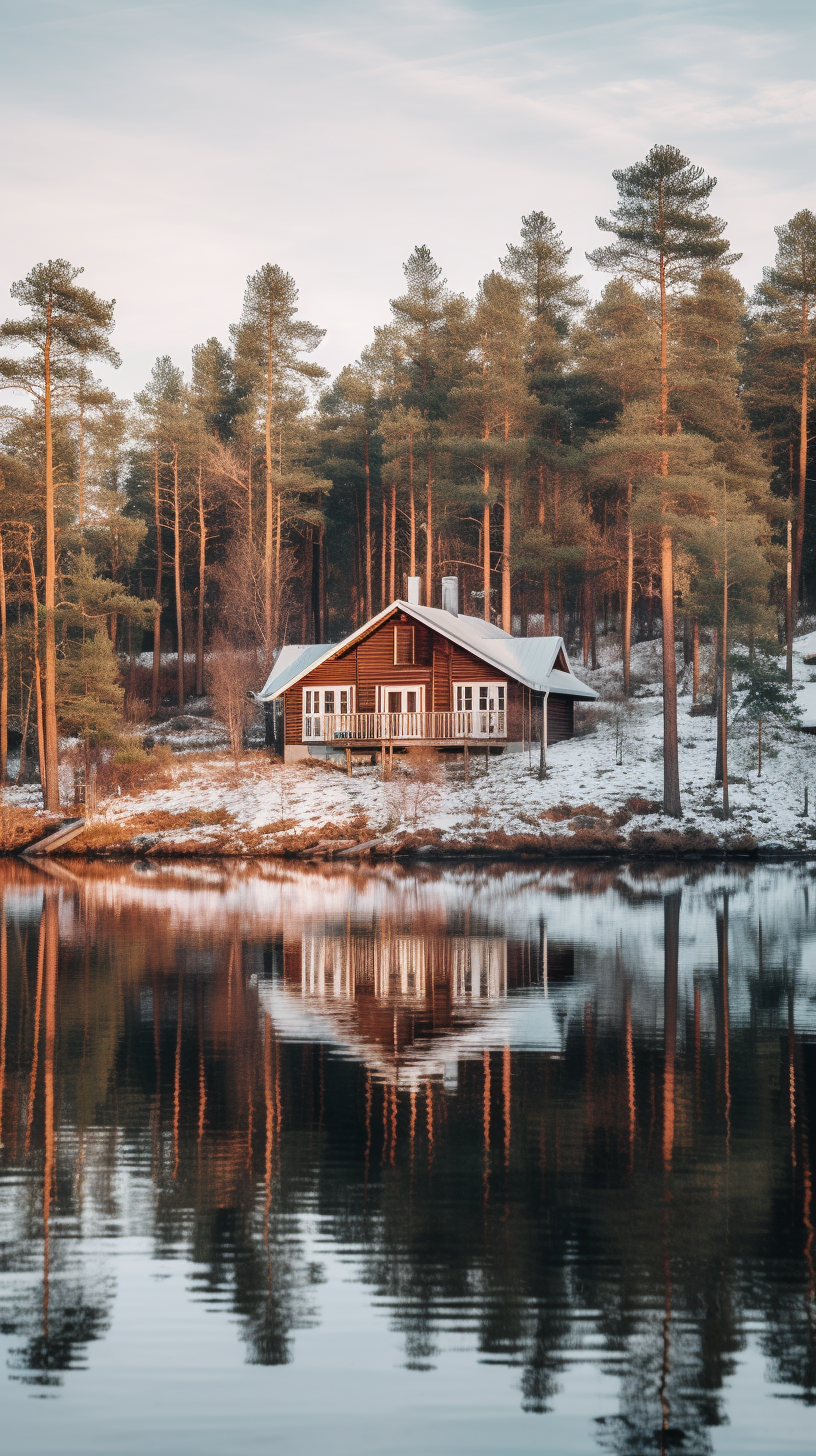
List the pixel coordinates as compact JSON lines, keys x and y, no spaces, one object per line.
{"x":383,"y":1161}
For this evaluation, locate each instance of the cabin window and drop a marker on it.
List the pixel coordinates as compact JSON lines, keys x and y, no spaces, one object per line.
{"x":403,"y":645}
{"x":324,"y":710}
{"x":486,"y":704}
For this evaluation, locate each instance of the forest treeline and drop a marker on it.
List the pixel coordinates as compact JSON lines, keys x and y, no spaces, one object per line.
{"x":635,"y":465}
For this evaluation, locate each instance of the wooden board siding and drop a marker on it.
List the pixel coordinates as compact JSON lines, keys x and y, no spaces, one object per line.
{"x":560,"y":718}
{"x":517,"y":708}
{"x":370,"y":664}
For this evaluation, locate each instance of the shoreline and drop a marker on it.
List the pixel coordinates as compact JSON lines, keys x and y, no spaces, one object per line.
{"x":687,"y":845}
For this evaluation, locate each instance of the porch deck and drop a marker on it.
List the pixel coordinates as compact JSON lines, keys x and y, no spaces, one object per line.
{"x":348,"y":729}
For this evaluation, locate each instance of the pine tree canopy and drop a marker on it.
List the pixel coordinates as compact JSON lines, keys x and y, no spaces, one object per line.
{"x":662,"y":223}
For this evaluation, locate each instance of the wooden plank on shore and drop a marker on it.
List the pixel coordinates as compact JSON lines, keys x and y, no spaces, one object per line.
{"x":325,"y":846}
{"x":59,"y":836}
{"x":363,"y":848}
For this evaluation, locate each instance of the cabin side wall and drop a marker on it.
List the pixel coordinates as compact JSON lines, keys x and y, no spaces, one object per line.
{"x":560,"y":717}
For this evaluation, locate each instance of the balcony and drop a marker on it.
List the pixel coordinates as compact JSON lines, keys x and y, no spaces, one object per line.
{"x":347,"y":728}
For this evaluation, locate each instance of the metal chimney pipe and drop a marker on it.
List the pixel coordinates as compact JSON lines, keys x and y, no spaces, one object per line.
{"x":450,"y":595}
{"x":413,"y":591}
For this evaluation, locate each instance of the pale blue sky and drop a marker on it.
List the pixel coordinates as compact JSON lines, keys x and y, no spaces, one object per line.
{"x":172,"y":148}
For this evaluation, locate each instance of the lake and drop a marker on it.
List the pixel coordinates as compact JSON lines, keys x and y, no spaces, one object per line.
{"x":388,"y":1160}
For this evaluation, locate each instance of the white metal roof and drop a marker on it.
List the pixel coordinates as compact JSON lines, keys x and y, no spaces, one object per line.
{"x":290,"y":664}
{"x":530,"y":660}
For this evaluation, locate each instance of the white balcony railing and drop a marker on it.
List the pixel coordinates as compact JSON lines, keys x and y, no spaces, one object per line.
{"x":403,"y":727}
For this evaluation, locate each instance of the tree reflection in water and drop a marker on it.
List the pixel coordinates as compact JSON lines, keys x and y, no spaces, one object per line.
{"x":559,"y":1115}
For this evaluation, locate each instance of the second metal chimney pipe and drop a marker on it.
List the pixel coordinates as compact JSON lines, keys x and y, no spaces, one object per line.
{"x":450,"y":595}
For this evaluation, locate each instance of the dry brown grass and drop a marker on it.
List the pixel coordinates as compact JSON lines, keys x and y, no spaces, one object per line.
{"x":102,"y":834}
{"x":635,"y":804}
{"x":674,"y":842}
{"x":559,"y":812}
{"x":20,"y":827}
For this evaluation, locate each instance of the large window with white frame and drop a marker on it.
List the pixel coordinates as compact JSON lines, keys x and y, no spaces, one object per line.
{"x":324,"y":709}
{"x":486,"y":702}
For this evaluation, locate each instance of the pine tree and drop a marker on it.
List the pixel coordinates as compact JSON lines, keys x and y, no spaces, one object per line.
{"x":66,"y":326}
{"x":552,"y":298}
{"x":215,"y":390}
{"x":616,"y":354}
{"x":782,"y":384}
{"x":270,"y":342}
{"x":538,"y":265}
{"x":350,"y":412}
{"x":496,"y":414}
{"x":664,"y":237}
{"x":421,"y":315}
{"x":89,"y":693}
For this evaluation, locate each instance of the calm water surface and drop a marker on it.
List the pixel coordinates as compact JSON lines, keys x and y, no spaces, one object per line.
{"x":388,"y":1161}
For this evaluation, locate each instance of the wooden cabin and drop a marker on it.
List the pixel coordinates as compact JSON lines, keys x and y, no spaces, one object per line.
{"x":416,"y":676}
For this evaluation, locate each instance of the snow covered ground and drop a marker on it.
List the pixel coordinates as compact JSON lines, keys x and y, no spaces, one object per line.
{"x":264,"y":807}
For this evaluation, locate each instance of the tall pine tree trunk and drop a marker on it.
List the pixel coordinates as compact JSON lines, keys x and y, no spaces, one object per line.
{"x":411,"y":506}
{"x":37,"y":677}
{"x":507,"y":616}
{"x":593,"y":640}
{"x":486,"y":545}
{"x":358,"y":563}
{"x":270,"y":500}
{"x":278,"y":529}
{"x":202,"y":567}
{"x":177,"y":576}
{"x":159,"y":564}
{"x":629,"y":595}
{"x":384,"y":554}
{"x":671,"y":765}
{"x":321,"y":579}
{"x":51,"y":783}
{"x":392,"y":561}
{"x":789,"y":609}
{"x":367,"y":529}
{"x":429,"y":537}
{"x":3,"y":672}
{"x":542,"y":518}
{"x":800,"y":509}
{"x":695,"y":661}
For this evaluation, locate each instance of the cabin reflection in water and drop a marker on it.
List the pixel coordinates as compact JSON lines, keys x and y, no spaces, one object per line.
{"x":414,"y":967}
{"x":408,"y":1003}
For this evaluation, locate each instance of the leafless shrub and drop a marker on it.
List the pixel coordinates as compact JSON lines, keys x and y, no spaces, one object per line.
{"x":414,"y":789}
{"x":233,"y":673}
